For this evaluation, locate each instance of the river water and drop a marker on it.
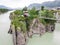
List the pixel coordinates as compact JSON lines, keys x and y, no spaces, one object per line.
{"x":5,"y":38}
{"x":46,"y":39}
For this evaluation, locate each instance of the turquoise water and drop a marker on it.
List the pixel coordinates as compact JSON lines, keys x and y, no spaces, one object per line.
{"x":46,"y":39}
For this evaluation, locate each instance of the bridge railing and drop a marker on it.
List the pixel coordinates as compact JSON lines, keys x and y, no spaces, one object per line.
{"x":49,"y":18}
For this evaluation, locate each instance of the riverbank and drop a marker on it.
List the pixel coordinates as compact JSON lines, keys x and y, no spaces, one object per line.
{"x":2,"y":10}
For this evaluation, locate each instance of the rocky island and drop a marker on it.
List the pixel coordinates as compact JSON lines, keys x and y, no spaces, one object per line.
{"x":25,"y":23}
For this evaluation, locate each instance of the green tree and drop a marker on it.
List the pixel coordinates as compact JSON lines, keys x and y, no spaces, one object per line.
{"x":25,"y":8}
{"x":18,"y":12}
{"x":2,"y":10}
{"x":33,"y":13}
{"x":48,"y":14}
{"x":42,"y":7}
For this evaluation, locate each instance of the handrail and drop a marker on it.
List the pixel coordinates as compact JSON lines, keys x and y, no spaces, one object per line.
{"x":49,"y":18}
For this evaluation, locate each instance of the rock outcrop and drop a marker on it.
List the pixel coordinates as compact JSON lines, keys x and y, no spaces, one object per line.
{"x":50,"y":27}
{"x":37,"y":27}
{"x":20,"y":38}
